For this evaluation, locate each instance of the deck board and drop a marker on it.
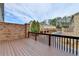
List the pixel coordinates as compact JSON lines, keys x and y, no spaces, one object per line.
{"x":28,"y":47}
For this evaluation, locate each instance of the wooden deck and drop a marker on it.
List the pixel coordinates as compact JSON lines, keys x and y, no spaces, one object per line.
{"x":28,"y":47}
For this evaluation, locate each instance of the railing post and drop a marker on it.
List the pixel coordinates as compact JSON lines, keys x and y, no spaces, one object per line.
{"x":49,"y":40}
{"x":35,"y":36}
{"x":28,"y":34}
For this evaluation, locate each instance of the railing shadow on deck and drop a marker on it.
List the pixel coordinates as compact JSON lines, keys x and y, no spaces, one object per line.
{"x":62,"y":42}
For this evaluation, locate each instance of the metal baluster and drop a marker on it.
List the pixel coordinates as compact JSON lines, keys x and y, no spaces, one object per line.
{"x":59,"y":42}
{"x":76,"y":46}
{"x":73,"y":47}
{"x":55,"y":42}
{"x":67,"y":46}
{"x":64,"y":44}
{"x":70,"y":45}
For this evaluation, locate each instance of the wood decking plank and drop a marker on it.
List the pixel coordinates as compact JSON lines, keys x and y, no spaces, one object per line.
{"x":28,"y":47}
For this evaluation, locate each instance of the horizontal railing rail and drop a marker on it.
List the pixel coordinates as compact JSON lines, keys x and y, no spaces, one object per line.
{"x":66,"y":43}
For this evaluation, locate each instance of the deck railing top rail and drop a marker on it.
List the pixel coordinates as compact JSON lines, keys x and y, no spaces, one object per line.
{"x":58,"y":35}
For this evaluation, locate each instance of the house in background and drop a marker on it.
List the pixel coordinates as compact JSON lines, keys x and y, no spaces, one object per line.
{"x":47,"y":29}
{"x":75,"y":24}
{"x":1,"y":12}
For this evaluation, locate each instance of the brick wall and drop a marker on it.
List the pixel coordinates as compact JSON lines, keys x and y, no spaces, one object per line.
{"x":10,"y":31}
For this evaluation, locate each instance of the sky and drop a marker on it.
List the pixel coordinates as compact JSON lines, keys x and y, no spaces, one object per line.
{"x":22,"y":13}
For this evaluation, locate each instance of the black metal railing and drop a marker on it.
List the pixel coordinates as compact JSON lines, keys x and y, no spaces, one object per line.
{"x":65,"y":43}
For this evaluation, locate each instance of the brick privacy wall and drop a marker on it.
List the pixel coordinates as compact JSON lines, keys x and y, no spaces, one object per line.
{"x":10,"y":31}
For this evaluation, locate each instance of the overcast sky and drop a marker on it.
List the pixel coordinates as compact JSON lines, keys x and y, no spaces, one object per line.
{"x":22,"y":13}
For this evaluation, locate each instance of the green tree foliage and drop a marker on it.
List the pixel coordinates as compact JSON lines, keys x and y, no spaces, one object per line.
{"x":52,"y":22}
{"x":38,"y":26}
{"x":43,"y":22}
{"x":30,"y":22}
{"x":60,"y":22}
{"x":65,"y":24}
{"x":35,"y":26}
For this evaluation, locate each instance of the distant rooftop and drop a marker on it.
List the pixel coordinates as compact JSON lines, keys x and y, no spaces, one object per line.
{"x":76,"y":13}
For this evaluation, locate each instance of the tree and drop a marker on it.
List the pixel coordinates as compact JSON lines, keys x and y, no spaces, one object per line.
{"x":43,"y":22}
{"x":65,"y":24}
{"x":38,"y":26}
{"x":35,"y":26}
{"x":30,"y":22}
{"x":52,"y":22}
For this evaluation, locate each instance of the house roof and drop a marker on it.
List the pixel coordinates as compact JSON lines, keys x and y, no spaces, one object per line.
{"x":76,"y":13}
